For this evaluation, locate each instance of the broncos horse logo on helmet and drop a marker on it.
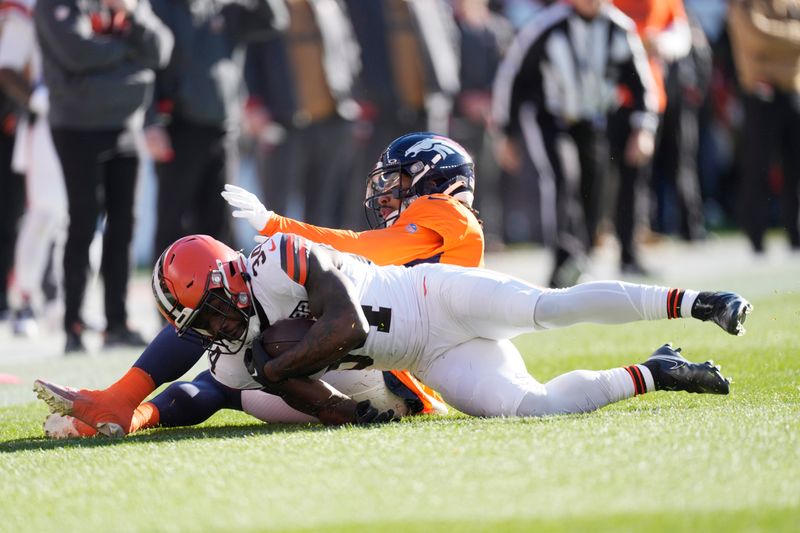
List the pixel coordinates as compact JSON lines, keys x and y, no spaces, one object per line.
{"x":432,"y":143}
{"x":430,"y":164}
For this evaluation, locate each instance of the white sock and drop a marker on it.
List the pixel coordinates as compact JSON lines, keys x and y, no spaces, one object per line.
{"x":650,"y":384}
{"x":689,"y":297}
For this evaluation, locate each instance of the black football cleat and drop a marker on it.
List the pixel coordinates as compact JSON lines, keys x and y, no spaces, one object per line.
{"x":727,"y":309}
{"x":672,"y":372}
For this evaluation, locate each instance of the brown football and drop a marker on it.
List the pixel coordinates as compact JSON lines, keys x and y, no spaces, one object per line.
{"x":284,"y":334}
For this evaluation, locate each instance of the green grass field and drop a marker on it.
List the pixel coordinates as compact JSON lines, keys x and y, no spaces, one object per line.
{"x":661,"y":462}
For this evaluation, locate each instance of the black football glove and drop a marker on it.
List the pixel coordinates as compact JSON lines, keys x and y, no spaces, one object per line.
{"x":255,"y":358}
{"x":366,"y":413}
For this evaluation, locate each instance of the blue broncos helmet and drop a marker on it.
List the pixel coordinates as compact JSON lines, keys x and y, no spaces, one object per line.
{"x":433,"y":164}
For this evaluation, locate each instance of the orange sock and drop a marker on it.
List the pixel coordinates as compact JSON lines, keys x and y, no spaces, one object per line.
{"x":133,"y":387}
{"x":145,"y":416}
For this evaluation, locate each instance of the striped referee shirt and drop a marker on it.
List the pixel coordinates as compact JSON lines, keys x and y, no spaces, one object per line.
{"x":575,"y":69}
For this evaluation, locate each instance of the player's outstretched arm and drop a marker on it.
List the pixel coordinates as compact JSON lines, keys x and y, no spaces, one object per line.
{"x":340,"y":326}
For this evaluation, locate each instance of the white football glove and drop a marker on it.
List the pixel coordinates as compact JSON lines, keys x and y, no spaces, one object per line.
{"x":247,"y":206}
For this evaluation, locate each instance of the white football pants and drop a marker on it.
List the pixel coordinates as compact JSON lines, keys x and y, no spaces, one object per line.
{"x":472,"y":364}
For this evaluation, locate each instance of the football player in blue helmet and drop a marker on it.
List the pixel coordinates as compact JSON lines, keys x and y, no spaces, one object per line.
{"x":414,"y":165}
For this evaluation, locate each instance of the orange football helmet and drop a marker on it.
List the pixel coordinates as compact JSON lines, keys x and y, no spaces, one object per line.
{"x":200,"y":284}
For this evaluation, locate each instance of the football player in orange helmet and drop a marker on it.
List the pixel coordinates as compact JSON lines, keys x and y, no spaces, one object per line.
{"x":437,"y":224}
{"x":450,"y":325}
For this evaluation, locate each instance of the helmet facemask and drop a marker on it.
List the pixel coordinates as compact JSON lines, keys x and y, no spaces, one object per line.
{"x":384,"y":183}
{"x":221,"y":318}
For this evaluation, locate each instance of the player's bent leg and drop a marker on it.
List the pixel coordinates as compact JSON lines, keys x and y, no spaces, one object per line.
{"x":116,"y":410}
{"x":582,"y":391}
{"x":168,"y":357}
{"x":579,"y":391}
{"x":188,"y":403}
{"x":482,"y":377}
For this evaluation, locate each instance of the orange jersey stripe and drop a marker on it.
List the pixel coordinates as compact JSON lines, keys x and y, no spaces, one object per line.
{"x":289,"y":250}
{"x":302,"y":260}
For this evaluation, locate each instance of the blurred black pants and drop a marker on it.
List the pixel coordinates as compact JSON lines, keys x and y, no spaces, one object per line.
{"x":567,"y":162}
{"x":189,"y":186}
{"x":100,"y":171}
{"x":632,"y":189}
{"x":771,"y":128}
{"x":11,"y":208}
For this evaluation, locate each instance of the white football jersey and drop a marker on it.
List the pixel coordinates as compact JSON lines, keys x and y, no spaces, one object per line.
{"x":390,"y":297}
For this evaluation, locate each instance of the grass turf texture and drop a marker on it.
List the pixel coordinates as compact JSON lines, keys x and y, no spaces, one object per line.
{"x":660,"y":462}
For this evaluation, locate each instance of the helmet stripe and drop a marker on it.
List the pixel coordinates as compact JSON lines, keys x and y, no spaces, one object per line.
{"x":294,"y":258}
{"x":161,"y":298}
{"x":301,"y":259}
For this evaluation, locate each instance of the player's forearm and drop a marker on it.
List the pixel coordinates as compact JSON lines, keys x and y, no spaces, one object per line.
{"x":326,"y":342}
{"x":340,"y":327}
{"x":316,"y":398}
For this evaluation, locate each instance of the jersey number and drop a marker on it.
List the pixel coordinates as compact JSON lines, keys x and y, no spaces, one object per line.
{"x":381,"y":319}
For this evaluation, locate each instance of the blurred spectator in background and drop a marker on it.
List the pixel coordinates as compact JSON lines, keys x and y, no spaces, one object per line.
{"x":302,"y":111}
{"x":676,"y":183}
{"x":192,"y":126}
{"x":520,"y":12}
{"x":11,"y":183}
{"x":765,"y":35}
{"x":99,"y":61}
{"x":43,"y":229}
{"x":555,"y":87}
{"x":664,"y":30}
{"x":485,"y":36}
{"x":717,"y":118}
{"x":410,"y":76}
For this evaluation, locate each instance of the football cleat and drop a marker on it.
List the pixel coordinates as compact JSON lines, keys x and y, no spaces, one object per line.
{"x":727,"y":309}
{"x":83,"y":405}
{"x":672,"y":372}
{"x":58,"y":426}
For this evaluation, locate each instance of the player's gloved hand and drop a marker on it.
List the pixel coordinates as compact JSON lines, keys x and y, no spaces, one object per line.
{"x":366,"y":413}
{"x":247,"y":206}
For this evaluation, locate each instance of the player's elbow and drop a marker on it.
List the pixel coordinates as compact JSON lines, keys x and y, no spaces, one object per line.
{"x":359,"y":330}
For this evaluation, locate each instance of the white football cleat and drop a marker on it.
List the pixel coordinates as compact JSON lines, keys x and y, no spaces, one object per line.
{"x":58,"y":426}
